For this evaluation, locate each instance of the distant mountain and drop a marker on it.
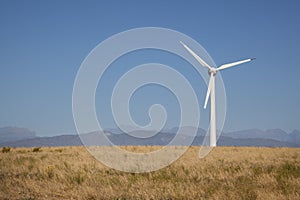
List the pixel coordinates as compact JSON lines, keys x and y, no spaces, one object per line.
{"x":160,"y":139}
{"x":295,"y":136}
{"x":273,"y":134}
{"x":10,"y":134}
{"x":187,"y":130}
{"x":254,"y":142}
{"x":21,"y":137}
{"x":62,"y":140}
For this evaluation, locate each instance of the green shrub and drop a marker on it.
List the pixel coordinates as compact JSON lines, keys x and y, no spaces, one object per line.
{"x":77,"y":177}
{"x":50,"y":171}
{"x":36,"y":149}
{"x":5,"y":149}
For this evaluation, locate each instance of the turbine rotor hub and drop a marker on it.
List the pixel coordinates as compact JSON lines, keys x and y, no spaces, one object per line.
{"x":212,"y":71}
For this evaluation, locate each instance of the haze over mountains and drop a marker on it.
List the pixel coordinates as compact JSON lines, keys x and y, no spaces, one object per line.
{"x":10,"y":134}
{"x":22,"y":137}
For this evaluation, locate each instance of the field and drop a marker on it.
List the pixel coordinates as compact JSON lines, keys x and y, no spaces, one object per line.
{"x":226,"y":173}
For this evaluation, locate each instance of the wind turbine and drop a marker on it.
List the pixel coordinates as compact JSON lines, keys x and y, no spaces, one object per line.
{"x":211,"y":90}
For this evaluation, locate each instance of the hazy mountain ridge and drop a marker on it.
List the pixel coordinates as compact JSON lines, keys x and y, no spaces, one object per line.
{"x":10,"y":133}
{"x":254,"y":137}
{"x":273,"y":134}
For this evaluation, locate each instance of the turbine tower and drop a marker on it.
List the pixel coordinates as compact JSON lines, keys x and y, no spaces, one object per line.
{"x":211,"y":90}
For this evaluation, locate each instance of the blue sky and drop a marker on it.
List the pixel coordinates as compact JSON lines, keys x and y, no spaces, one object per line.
{"x":43,"y":43}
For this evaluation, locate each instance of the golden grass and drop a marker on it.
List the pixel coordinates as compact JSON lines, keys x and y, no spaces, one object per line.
{"x":226,"y":173}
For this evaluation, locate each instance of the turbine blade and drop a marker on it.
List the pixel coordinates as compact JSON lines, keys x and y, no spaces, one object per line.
{"x":202,"y":62}
{"x":208,"y":90}
{"x":234,"y":64}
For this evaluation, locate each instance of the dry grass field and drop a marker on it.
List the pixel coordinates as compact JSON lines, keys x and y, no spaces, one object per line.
{"x":226,"y":173}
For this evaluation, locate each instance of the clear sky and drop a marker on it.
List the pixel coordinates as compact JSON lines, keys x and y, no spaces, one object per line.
{"x":43,"y":43}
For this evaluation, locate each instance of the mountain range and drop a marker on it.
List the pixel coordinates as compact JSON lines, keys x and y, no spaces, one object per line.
{"x":22,"y":137}
{"x":11,"y":134}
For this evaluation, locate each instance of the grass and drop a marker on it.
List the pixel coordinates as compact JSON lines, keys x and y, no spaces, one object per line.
{"x":226,"y":173}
